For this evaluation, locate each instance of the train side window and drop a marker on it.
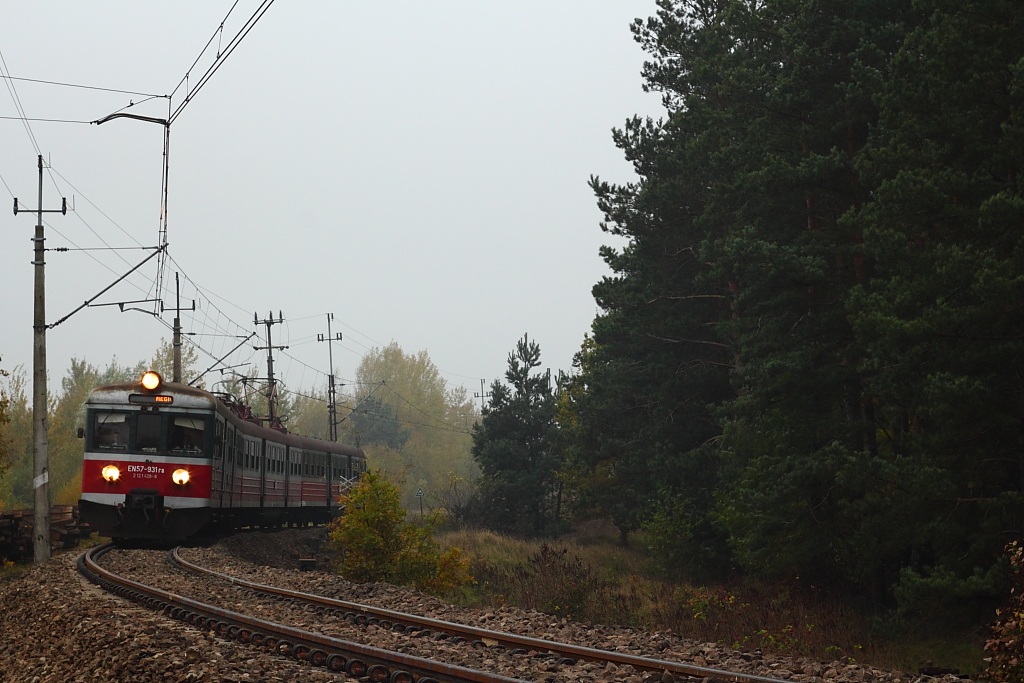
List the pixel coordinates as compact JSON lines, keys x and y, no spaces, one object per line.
{"x":187,"y":435}
{"x":110,"y":432}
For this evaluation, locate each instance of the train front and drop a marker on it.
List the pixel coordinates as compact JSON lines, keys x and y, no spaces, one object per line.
{"x":147,"y":468}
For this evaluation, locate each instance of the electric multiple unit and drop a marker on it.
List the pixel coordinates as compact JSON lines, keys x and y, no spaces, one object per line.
{"x":167,"y":461}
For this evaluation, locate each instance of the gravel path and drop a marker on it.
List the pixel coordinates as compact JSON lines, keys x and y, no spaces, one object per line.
{"x":56,"y":626}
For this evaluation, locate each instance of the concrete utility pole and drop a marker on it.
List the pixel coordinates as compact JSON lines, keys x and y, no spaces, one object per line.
{"x":272,"y":392}
{"x":332,"y":405}
{"x":177,"y":328}
{"x":40,"y":444}
{"x":482,"y":396}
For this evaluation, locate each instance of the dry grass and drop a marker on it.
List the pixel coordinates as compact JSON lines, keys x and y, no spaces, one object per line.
{"x":587,"y":576}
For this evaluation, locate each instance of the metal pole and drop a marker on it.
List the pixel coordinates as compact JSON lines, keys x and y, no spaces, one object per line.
{"x":177,"y":330}
{"x":162,"y":239}
{"x":272,"y":393}
{"x":40,"y":470}
{"x":332,"y":404}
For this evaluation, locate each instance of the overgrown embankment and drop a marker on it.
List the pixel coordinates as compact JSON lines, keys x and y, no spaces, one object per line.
{"x":589,"y":577}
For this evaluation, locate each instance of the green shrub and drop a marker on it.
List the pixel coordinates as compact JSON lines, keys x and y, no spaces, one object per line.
{"x":943,"y":596}
{"x":376,"y":543}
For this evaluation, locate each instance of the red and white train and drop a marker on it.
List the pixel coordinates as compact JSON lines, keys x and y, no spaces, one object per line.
{"x":167,"y":461}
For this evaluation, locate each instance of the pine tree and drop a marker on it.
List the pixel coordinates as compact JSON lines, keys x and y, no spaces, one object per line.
{"x":515,"y":447}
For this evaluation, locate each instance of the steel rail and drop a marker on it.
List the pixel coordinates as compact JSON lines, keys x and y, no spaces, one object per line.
{"x":483,"y":636}
{"x":375,"y":664}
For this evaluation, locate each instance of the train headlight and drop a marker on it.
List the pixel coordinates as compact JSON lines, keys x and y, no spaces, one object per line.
{"x":180,"y":477}
{"x":111,"y":473}
{"x":152,"y":380}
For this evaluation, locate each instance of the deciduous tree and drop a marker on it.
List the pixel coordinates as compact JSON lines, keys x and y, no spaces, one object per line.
{"x":409,"y":421}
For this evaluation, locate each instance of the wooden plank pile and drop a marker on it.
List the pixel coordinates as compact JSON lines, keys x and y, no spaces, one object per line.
{"x":16,"y":532}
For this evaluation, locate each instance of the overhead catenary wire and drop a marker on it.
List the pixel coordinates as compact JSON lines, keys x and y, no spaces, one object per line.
{"x":30,"y":118}
{"x":213,"y":319}
{"x":443,"y":423}
{"x":52,"y":171}
{"x":217,"y":32}
{"x":79,"y":85}
{"x":17,"y":105}
{"x":221,"y":56}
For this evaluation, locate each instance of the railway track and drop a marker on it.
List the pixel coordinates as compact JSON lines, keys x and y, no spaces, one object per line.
{"x":330,"y":637}
{"x":354,"y":659}
{"x":565,"y":653}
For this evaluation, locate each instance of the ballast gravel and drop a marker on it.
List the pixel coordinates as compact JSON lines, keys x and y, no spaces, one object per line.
{"x":55,"y":626}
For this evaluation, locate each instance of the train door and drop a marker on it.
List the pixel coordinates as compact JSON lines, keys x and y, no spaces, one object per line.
{"x":217,"y":496}
{"x":263,"y":471}
{"x":332,"y":476}
{"x":287,"y":472}
{"x":229,"y":459}
{"x":238,"y":470}
{"x":325,"y":465}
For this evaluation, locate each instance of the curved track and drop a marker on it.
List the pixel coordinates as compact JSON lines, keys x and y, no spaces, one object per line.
{"x":357,"y":660}
{"x":476,"y":637}
{"x":364,"y":661}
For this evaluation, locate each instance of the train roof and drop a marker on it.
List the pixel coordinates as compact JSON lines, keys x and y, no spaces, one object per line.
{"x":190,"y":397}
{"x":184,"y":395}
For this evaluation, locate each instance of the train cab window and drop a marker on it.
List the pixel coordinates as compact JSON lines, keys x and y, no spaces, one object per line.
{"x":187,"y":435}
{"x":147,"y":432}
{"x":110,"y":432}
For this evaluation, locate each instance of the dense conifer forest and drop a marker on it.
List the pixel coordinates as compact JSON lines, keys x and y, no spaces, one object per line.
{"x":809,"y":355}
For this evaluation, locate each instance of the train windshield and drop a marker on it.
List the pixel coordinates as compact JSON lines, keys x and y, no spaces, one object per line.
{"x":145,"y":432}
{"x":111,"y":431}
{"x":187,"y":434}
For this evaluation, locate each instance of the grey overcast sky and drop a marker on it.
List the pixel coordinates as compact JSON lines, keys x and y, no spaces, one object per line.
{"x":418,"y":169}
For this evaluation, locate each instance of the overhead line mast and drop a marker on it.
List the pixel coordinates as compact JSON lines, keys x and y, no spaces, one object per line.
{"x":274,"y":419}
{"x":176,"y":344}
{"x":40,"y":443}
{"x":332,"y":404}
{"x":162,"y":236}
